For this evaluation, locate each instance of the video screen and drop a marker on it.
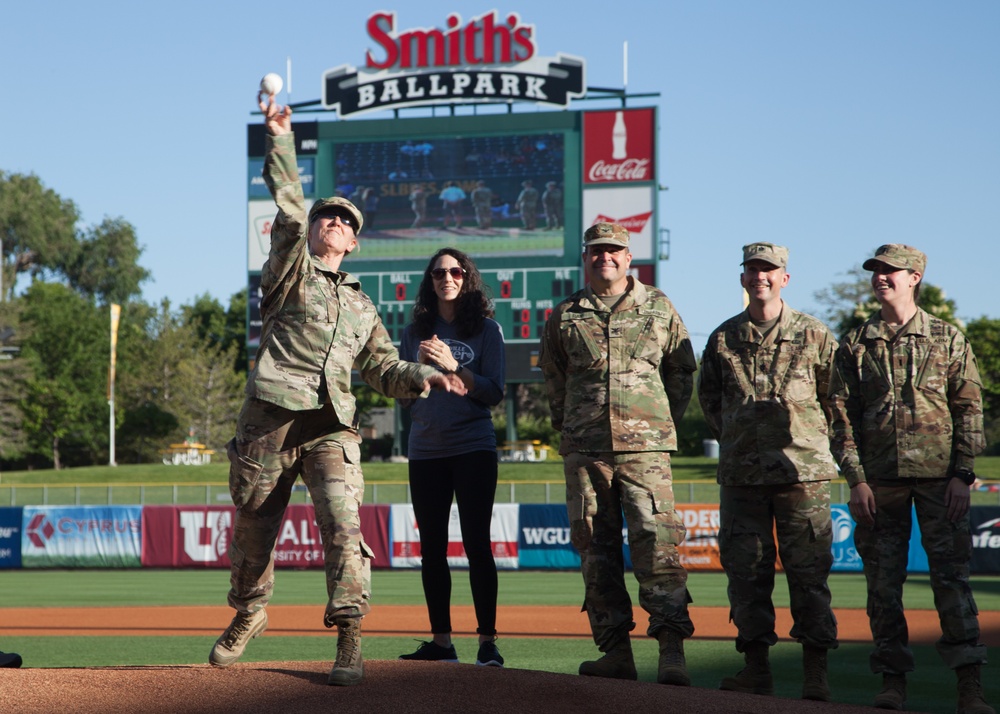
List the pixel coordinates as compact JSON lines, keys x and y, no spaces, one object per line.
{"x":490,"y":196}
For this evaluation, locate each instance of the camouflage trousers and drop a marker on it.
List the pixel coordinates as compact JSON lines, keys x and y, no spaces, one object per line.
{"x":484,"y":216}
{"x":273,"y":446}
{"x":599,"y":489}
{"x":799,"y":514}
{"x":884,"y":549}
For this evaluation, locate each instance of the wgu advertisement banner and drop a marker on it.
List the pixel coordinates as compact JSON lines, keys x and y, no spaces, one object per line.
{"x":199,"y":536}
{"x":544,"y":537}
{"x":81,"y":536}
{"x":406,"y":537}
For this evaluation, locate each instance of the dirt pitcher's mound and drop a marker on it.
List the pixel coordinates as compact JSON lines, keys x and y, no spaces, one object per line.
{"x":389,"y":686}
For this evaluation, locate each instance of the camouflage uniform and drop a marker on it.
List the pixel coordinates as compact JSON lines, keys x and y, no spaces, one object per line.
{"x":418,"y":202}
{"x":482,"y":201}
{"x":617,"y":382}
{"x":909,"y":413}
{"x":765,"y":400}
{"x":552,"y":202}
{"x":527,"y":205}
{"x":299,"y":417}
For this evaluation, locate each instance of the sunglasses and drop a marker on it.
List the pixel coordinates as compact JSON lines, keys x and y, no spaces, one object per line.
{"x":455,"y":273}
{"x":346,"y":218}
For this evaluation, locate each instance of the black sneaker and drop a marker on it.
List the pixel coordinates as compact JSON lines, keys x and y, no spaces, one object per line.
{"x":431,"y":652}
{"x":489,"y":655}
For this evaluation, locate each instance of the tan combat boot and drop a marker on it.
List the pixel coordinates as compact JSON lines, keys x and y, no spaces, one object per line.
{"x":814,"y":684}
{"x":673,"y":666}
{"x":231,"y":643}
{"x":617,"y":663}
{"x":970,"y":691}
{"x":893,"y":694}
{"x":756,"y":677}
{"x":348,"y":668}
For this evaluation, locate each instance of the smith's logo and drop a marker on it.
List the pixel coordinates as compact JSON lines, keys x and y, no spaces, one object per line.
{"x":485,"y":60}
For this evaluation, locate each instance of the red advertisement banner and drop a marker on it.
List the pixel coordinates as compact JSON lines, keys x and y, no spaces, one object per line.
{"x":618,"y":146}
{"x":199,"y":536}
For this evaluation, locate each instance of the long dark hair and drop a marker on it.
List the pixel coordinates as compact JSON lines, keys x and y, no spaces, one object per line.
{"x":472,"y":306}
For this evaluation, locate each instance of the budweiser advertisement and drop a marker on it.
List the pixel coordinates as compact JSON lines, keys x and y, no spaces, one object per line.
{"x":631,"y":206}
{"x":618,"y":146}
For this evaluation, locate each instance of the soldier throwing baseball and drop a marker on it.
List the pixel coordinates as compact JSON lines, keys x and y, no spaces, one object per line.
{"x":618,"y":368}
{"x":910,"y":420}
{"x":763,"y":389}
{"x":299,"y":415}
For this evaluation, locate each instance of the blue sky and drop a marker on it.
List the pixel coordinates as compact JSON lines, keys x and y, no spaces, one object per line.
{"x":829,"y":127}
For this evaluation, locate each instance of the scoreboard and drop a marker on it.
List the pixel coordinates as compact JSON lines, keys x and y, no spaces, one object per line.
{"x":395,"y":170}
{"x":522,"y":297}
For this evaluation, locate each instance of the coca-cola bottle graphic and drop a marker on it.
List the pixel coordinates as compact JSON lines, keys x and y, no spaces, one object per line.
{"x":618,"y":137}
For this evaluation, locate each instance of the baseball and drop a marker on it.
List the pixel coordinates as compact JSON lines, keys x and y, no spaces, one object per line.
{"x":271,"y":83}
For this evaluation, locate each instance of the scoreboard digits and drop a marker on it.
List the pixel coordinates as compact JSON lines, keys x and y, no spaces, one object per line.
{"x":523,"y":298}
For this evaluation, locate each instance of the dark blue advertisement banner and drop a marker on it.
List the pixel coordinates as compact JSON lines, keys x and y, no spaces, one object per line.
{"x":10,"y":537}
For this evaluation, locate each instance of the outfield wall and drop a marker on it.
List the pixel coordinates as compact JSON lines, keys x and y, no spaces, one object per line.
{"x":528,"y":536}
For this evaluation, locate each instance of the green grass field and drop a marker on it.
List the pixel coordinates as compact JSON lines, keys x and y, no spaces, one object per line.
{"x":708,"y":661}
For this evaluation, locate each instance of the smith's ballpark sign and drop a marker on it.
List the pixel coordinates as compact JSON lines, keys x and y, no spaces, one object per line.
{"x":487,"y":59}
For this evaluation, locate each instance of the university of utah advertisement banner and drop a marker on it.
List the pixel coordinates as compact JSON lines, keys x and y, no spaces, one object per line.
{"x":199,"y":536}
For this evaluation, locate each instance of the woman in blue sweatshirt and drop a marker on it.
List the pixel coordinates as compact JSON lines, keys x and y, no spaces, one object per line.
{"x":452,"y":446}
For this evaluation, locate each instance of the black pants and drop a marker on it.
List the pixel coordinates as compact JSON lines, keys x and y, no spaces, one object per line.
{"x":472,"y":480}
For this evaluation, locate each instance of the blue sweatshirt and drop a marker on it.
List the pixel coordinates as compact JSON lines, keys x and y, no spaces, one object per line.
{"x":446,"y":424}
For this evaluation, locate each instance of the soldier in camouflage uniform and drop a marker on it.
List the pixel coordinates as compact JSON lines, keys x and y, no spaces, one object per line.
{"x":910,"y":423}
{"x":763,"y":388}
{"x":418,"y":202}
{"x":299,"y":415}
{"x":552,"y":203}
{"x":482,"y":202}
{"x":618,"y":369}
{"x":527,"y":205}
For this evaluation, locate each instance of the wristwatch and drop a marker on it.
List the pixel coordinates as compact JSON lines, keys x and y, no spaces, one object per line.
{"x":965,"y":476}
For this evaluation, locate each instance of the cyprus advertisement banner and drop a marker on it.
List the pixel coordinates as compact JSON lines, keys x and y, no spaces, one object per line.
{"x":81,"y":536}
{"x":406,"y":537}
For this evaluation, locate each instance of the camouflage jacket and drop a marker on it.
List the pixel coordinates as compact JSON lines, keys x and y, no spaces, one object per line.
{"x":481,"y":196}
{"x":909,"y":406}
{"x":765,"y":399}
{"x":617,"y":381}
{"x":317,"y":323}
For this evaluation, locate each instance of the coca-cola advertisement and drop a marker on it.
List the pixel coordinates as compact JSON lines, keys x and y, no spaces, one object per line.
{"x":618,"y":146}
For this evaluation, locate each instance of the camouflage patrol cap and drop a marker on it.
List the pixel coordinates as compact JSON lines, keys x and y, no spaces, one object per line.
{"x":899,"y":256}
{"x":776,"y":255}
{"x":606,"y":234}
{"x":331,"y":204}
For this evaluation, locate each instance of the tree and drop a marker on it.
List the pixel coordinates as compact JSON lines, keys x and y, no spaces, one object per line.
{"x":175,"y":371}
{"x":984,"y":336}
{"x":105,"y":265}
{"x":850,"y":303}
{"x":224,"y":330}
{"x":66,"y":346}
{"x":37,"y":230}
{"x":236,"y":329}
{"x":14,"y":373}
